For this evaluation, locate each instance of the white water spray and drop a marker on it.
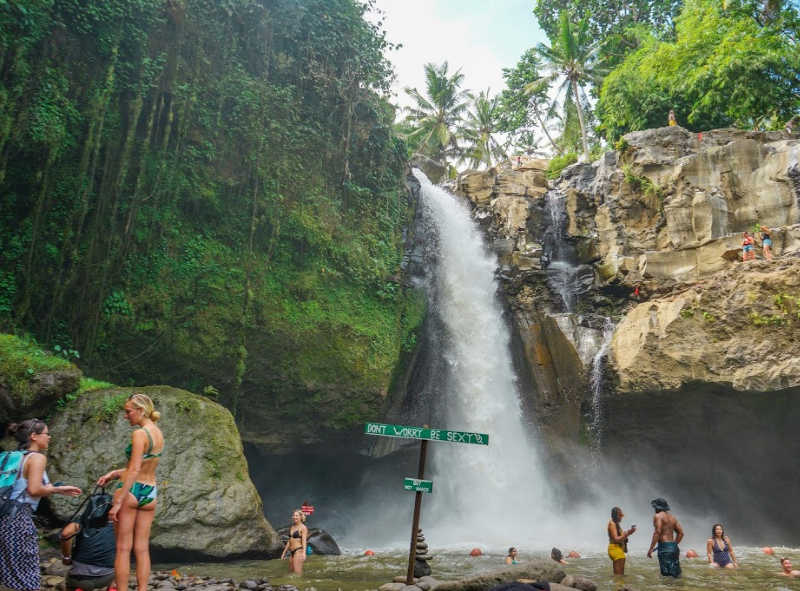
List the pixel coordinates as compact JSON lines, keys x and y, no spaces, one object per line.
{"x":479,"y":491}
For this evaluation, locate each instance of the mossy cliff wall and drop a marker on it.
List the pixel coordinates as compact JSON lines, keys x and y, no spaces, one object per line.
{"x":208,"y":194}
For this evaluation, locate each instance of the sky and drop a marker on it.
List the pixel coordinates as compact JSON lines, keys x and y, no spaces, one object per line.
{"x":479,"y":36}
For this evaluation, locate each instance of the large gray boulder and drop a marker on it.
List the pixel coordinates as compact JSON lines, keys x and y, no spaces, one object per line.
{"x":207,"y":504}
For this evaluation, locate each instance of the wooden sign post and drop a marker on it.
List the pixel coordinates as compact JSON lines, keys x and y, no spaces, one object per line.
{"x":424,"y":434}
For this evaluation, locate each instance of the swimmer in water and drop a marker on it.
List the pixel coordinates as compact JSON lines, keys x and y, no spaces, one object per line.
{"x":787,"y":571}
{"x":719,"y":549}
{"x":512,"y":556}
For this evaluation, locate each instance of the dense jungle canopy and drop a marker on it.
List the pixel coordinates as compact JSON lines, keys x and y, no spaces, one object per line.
{"x":206,"y":193}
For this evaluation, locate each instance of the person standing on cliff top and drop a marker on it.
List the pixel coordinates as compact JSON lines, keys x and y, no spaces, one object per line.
{"x":671,"y":121}
{"x":667,"y":533}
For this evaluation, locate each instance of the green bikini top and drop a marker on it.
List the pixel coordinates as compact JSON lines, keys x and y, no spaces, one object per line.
{"x":147,"y":455}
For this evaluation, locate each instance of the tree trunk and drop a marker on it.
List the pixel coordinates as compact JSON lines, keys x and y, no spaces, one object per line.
{"x":580,"y":120}
{"x":547,"y":133}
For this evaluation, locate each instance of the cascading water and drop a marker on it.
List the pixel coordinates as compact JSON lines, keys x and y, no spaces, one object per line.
{"x":564,"y":275}
{"x":596,"y":382}
{"x":477,"y":488}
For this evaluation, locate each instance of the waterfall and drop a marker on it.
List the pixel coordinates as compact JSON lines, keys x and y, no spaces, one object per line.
{"x":479,"y":491}
{"x":596,"y":383}
{"x":564,"y":276}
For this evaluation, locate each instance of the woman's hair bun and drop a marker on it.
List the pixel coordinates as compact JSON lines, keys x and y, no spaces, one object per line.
{"x":13,"y":428}
{"x":155,"y":415}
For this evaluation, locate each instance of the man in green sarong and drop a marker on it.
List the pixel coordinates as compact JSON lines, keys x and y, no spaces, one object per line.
{"x":667,"y":535}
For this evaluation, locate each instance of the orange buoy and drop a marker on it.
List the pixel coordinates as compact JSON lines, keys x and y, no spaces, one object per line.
{"x":369,"y":553}
{"x":768,"y":550}
{"x":475,"y":552}
{"x":691,"y":554}
{"x":573,"y":554}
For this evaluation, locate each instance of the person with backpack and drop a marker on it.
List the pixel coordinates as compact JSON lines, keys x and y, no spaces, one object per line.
{"x":19,"y":542}
{"x":134,"y":505}
{"x":92,"y":557}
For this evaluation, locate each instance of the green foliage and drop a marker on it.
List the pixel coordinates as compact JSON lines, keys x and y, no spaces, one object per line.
{"x":559,"y":163}
{"x":435,"y":118}
{"x":724,"y":69}
{"x":202,"y":192}
{"x":480,"y":132}
{"x":607,"y":17}
{"x":572,"y":61}
{"x":641,"y":183}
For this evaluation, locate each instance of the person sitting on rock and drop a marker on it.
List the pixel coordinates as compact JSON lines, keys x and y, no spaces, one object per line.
{"x":512,"y":556}
{"x":748,"y":247}
{"x":671,"y":121}
{"x":786,"y":568}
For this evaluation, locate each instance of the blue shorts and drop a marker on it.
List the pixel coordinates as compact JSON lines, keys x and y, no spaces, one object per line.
{"x":766,"y":242}
{"x":747,"y":247}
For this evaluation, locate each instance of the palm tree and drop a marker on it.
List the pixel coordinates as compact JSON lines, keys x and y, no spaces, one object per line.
{"x":435,"y":117}
{"x":573,"y":60}
{"x":480,"y":131}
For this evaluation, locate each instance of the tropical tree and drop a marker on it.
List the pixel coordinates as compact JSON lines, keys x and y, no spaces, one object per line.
{"x":522,"y":113}
{"x":571,"y":61}
{"x":724,"y":69}
{"x":435,"y":117}
{"x":480,"y":131}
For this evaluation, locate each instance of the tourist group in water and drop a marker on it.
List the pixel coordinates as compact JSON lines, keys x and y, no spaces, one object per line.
{"x":667,"y":534}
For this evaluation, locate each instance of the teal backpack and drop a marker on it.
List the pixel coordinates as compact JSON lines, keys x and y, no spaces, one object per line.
{"x":10,"y":468}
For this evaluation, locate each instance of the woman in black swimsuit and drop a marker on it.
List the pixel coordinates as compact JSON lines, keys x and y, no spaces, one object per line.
{"x":296,"y":544}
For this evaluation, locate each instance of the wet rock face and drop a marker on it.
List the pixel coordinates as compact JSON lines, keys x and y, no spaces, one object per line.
{"x":207,"y":504}
{"x":653,"y":236}
{"x":739,"y":328}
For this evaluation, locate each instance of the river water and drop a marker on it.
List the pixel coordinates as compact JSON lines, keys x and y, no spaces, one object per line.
{"x":354,"y":572}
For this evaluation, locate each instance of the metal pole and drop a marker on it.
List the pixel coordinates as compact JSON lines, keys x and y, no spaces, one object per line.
{"x":412,"y":553}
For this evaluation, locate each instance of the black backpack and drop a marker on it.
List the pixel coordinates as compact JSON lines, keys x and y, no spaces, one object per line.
{"x":95,"y":514}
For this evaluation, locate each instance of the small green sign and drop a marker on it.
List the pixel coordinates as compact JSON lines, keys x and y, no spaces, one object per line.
{"x":405,"y":432}
{"x":418,"y":485}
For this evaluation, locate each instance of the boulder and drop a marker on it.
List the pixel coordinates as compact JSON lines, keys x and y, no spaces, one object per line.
{"x":435,"y":170}
{"x":320,"y":541}
{"x":737,"y":328}
{"x":207,"y":504}
{"x":538,"y":570}
{"x":31,"y":380}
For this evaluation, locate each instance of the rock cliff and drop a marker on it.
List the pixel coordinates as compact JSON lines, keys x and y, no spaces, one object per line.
{"x":627,"y":293}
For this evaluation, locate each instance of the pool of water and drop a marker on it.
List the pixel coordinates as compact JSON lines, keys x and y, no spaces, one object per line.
{"x":354,"y":572}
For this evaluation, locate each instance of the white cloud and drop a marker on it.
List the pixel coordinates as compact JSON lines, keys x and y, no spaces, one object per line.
{"x":469,"y":35}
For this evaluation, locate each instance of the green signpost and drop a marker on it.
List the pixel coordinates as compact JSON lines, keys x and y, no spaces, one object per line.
{"x":418,"y":485}
{"x":424,"y":434}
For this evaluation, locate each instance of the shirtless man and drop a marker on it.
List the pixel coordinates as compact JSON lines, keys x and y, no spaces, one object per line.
{"x":667,"y":534}
{"x":787,"y":571}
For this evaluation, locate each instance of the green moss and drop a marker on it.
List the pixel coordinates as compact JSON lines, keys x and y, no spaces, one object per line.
{"x":21,"y":359}
{"x":90,"y":385}
{"x":559,"y":163}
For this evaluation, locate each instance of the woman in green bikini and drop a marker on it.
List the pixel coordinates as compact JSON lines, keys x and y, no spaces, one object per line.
{"x":135,"y":498}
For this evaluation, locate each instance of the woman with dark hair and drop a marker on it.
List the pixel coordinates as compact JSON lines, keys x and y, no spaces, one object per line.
{"x":618,"y":541}
{"x":512,"y":556}
{"x":719,"y":549}
{"x":134,"y":505}
{"x":19,"y":543}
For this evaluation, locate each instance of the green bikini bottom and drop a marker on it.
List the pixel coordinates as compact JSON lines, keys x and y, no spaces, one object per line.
{"x":144,"y":493}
